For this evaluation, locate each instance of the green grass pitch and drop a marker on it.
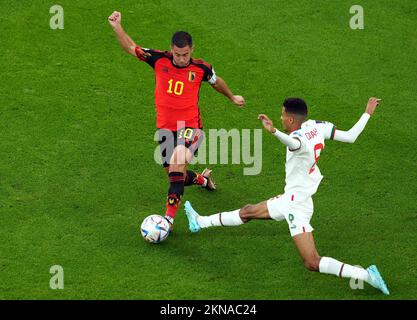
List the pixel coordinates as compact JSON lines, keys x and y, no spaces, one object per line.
{"x":77,"y":174}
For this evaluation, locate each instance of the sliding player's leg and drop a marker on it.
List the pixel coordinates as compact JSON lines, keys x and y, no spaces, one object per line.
{"x":228,"y":218}
{"x":274,"y":208}
{"x":312,"y":261}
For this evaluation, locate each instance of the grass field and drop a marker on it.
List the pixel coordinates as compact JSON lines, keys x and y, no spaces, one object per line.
{"x":77,"y":174}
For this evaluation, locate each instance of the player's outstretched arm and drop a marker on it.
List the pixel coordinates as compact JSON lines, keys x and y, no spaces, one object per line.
{"x":221,"y":86}
{"x":351,"y":135}
{"x":292,"y":143}
{"x":128,"y":45}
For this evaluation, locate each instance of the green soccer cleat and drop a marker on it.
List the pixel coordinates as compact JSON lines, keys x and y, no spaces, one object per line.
{"x":192,"y":217}
{"x":376,"y":279}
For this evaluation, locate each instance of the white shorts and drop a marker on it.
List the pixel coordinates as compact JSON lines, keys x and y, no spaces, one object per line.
{"x":297,"y":213}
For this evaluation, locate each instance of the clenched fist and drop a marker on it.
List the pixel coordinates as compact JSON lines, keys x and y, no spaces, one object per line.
{"x":239,"y":101}
{"x":115,"y":19}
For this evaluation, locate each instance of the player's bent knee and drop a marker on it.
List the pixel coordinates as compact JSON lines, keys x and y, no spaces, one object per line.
{"x":246,"y":213}
{"x":312,"y":264}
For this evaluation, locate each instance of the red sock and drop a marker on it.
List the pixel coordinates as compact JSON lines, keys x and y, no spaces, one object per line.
{"x":172,"y":205}
{"x":176,"y":190}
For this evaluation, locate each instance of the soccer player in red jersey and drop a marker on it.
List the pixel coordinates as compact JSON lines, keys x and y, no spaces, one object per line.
{"x":178,"y":79}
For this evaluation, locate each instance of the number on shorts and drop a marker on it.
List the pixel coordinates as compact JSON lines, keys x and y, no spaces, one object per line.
{"x":188,"y":133}
{"x":291,"y":219}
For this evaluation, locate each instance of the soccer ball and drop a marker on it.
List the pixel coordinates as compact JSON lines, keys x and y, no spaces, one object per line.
{"x":155,"y":228}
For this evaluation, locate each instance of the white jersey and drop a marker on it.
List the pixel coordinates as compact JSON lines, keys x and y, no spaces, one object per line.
{"x":302,"y":175}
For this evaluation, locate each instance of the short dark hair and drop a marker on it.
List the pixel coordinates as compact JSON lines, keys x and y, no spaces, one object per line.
{"x":182,"y":39}
{"x":296,"y":106}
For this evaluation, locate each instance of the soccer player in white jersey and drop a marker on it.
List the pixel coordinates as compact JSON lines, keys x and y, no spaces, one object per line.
{"x":304,"y":143}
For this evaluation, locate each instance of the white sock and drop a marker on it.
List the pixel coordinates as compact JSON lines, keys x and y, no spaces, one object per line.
{"x":340,"y":269}
{"x":230,"y":218}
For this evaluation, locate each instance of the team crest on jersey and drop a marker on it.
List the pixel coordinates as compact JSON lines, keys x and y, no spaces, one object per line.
{"x":191,"y":76}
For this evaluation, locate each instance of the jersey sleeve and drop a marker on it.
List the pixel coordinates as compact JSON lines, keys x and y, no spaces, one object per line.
{"x":328,"y":129}
{"x":297,"y":135}
{"x":150,"y":56}
{"x":210,"y":75}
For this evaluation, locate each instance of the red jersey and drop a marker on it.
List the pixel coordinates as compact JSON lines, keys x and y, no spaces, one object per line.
{"x":177,"y":89}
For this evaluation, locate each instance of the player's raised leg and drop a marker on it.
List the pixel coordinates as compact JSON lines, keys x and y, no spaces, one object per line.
{"x":201,"y":179}
{"x":313,"y":262}
{"x":228,"y":218}
{"x":192,"y":140}
{"x":192,"y":178}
